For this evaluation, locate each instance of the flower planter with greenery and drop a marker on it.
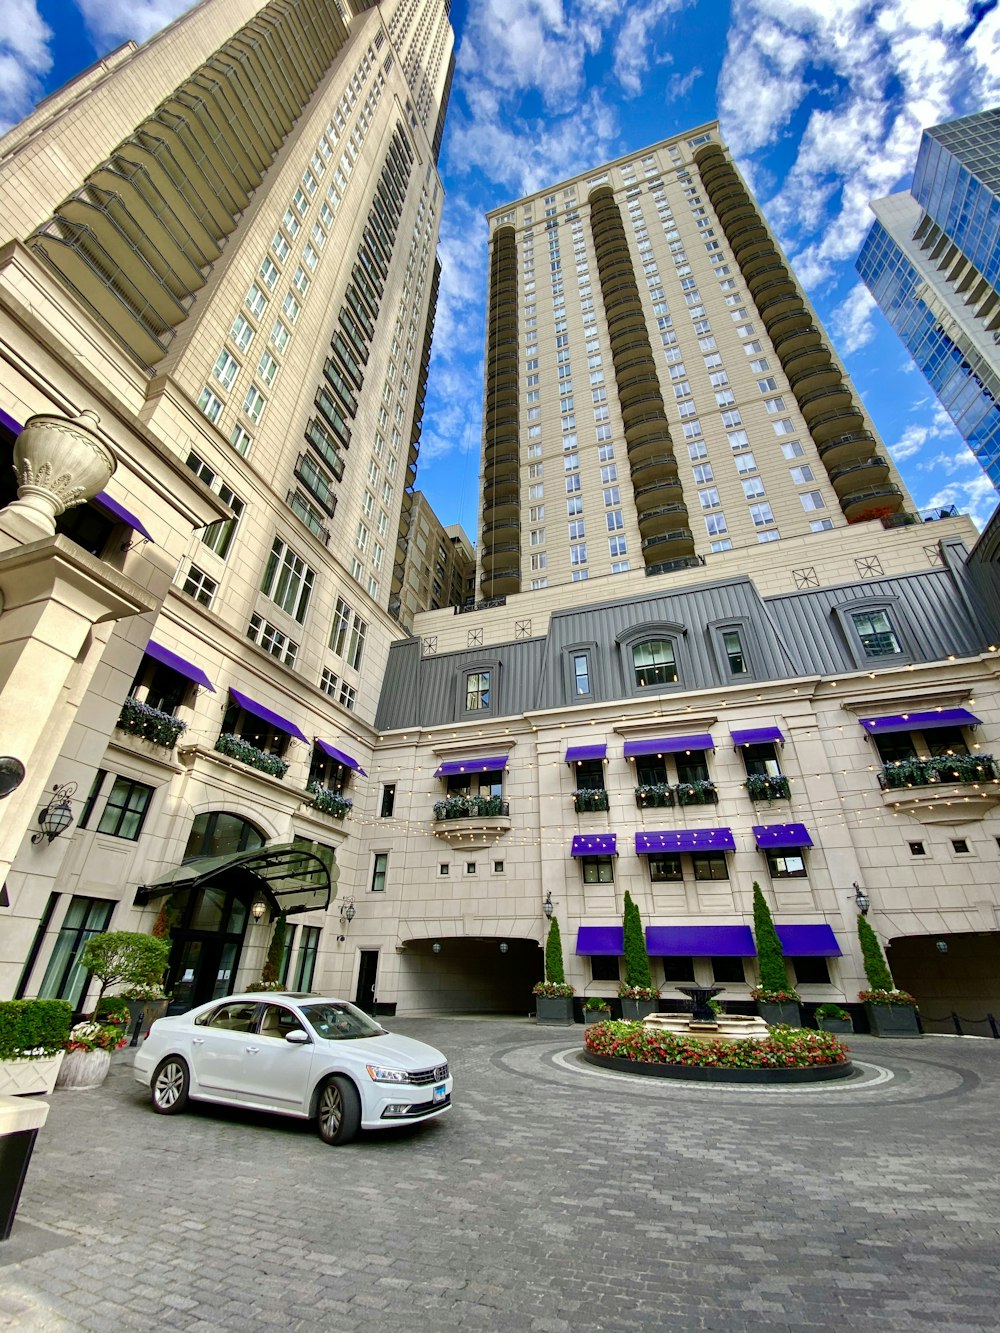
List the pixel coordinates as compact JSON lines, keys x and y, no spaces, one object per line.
{"x":88,"y":1054}
{"x":139,"y":719}
{"x":596,"y":1009}
{"x":702,"y":792}
{"x":785,"y":1055}
{"x":33,"y":1036}
{"x":329,"y":802}
{"x":958,"y":768}
{"x":833,"y":1018}
{"x":237,"y":748}
{"x":764,"y":787}
{"x":553,"y":996}
{"x":891,"y":1012}
{"x":590,"y":800}
{"x":654,"y":795}
{"x":470,"y":807}
{"x":776,"y":1001}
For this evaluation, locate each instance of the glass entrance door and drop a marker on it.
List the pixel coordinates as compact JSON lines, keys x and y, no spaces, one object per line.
{"x":207,"y":944}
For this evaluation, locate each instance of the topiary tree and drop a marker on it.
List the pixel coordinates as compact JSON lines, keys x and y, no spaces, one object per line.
{"x":125,"y":958}
{"x":637,"y":971}
{"x":876,"y":968}
{"x":770,"y":958}
{"x":275,"y":952}
{"x":554,"y":970}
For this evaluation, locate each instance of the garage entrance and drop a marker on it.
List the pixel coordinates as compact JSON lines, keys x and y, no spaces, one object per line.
{"x":462,"y":975}
{"x":963,"y":977}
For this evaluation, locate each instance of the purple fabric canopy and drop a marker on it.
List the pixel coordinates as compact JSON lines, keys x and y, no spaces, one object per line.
{"x":340,"y":756}
{"x":917,"y":721}
{"x":700,"y":942}
{"x":119,"y":513}
{"x":493,"y":764}
{"x":781,"y":835}
{"x":594,"y":844}
{"x":702,"y":740}
{"x":179,"y":664}
{"x":604,"y":941}
{"x":576,"y":753}
{"x":266,"y":715}
{"x":808,"y":941}
{"x":757,"y":736}
{"x":685,"y":840}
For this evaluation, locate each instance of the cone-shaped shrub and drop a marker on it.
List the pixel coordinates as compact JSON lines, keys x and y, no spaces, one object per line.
{"x":554,"y":970}
{"x":636,"y":959}
{"x":876,"y":968}
{"x":272,"y":964}
{"x":770,"y":958}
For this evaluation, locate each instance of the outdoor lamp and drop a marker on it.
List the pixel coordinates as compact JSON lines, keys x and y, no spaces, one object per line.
{"x":861,"y":899}
{"x":436,"y":948}
{"x":548,"y":906}
{"x":257,"y":909}
{"x":11,"y":774}
{"x":56,"y":817}
{"x":503,"y":946}
{"x":348,"y":911}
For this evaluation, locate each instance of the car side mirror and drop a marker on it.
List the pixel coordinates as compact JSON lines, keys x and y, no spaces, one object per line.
{"x":297,"y":1037}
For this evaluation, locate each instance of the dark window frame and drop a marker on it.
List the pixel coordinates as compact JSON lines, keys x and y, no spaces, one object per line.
{"x":126,"y":808}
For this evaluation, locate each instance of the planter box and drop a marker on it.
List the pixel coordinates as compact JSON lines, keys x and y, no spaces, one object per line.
{"x":773,"y":1014}
{"x":554,"y":1010}
{"x":893,"y":1020}
{"x":841,"y":1025}
{"x":84,"y":1069}
{"x":20,"y":1078}
{"x":638,"y":1009}
{"x":592,"y":1016}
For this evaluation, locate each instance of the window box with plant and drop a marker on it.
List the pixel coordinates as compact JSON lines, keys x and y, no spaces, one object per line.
{"x":589,"y":800}
{"x":768,"y":787}
{"x":833,"y":1018}
{"x":596,"y":1009}
{"x":471,"y":807}
{"x":152,"y":724}
{"x":700,"y":792}
{"x":237,"y":748}
{"x":554,"y":995}
{"x":329,"y":802}
{"x":777,"y":1002}
{"x":654,"y":794}
{"x":33,"y":1036}
{"x":953,"y":768}
{"x":891,"y":1012}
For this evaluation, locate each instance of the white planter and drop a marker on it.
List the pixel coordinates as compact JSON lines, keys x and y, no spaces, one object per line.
{"x":84,"y":1069}
{"x":20,"y":1078}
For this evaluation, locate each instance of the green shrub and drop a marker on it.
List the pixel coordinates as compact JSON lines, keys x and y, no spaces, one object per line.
{"x":275,"y":951}
{"x":636,"y":959}
{"x":38,"y":1026}
{"x":125,"y":958}
{"x":554,"y":970}
{"x":770,"y":958}
{"x":832,"y":1011}
{"x":876,"y":968}
{"x":112,"y":1009}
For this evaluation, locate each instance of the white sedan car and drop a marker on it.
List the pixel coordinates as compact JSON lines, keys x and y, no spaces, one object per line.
{"x":296,"y":1054}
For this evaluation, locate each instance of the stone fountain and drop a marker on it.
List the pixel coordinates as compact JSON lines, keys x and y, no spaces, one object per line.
{"x":705,"y":1025}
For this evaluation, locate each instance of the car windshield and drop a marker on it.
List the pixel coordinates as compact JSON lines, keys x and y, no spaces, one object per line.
{"x":336,"y":1020}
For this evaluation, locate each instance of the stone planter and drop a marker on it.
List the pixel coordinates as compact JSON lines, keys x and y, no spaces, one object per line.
{"x":842,"y":1025}
{"x":772,"y":1014}
{"x":20,"y":1078}
{"x":592,"y":1016}
{"x":893,"y":1020}
{"x":636,"y":1010}
{"x":84,"y":1069}
{"x":554,"y":1010}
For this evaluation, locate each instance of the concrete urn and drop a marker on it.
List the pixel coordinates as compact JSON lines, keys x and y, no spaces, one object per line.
{"x":59,"y":462}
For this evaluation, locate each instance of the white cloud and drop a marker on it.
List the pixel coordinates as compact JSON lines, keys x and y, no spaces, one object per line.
{"x":851,"y":320}
{"x":679,"y":85}
{"x":25,"y":59}
{"x":111,"y":22}
{"x":976,"y":497}
{"x":634,"y":49}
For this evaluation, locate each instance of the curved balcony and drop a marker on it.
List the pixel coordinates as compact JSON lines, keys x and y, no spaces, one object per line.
{"x":650,"y":448}
{"x":660,"y":519}
{"x":637,"y":408}
{"x":623,"y":323}
{"x":472,"y":821}
{"x":638,"y":389}
{"x":676,"y":542}
{"x":503,"y":488}
{"x":777,"y":309}
{"x":502,"y":582}
{"x":743,"y":232}
{"x":503,"y":526}
{"x":652,"y":428}
{"x":759,"y":249}
{"x":500,"y":461}
{"x":794,"y":340}
{"x":818,"y":401}
{"x":764,"y":266}
{"x":775,"y":281}
{"x":728,"y":200}
{"x":814,"y":371}
{"x":657,"y":492}
{"x":788,"y":321}
{"x":832,"y":424}
{"x":494,"y":555}
{"x":846,"y":449}
{"x":660,"y":467}
{"x":868,"y":472}
{"x":872,"y":502}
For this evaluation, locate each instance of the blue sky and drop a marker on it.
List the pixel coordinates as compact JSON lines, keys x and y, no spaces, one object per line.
{"x":821,"y":101}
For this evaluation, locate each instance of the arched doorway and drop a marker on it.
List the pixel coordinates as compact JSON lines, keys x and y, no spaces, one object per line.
{"x":468,"y":975}
{"x":958,"y":973}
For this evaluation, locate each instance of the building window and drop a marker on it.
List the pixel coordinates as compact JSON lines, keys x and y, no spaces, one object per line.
{"x":272,"y":640}
{"x":380,"y":866}
{"x":812,"y":971}
{"x":598,"y":869}
{"x":710,"y":865}
{"x":665,"y":869}
{"x":126,"y":808}
{"x":305,"y":963}
{"x":604,"y":968}
{"x":477,"y":691}
{"x":581,"y":674}
{"x":786,"y":865}
{"x":875,"y":629}
{"x":288,"y":580}
{"x":960,"y":845}
{"x":728,"y":969}
{"x":388,"y":800}
{"x":678,"y":969}
{"x":917,"y":849}
{"x":200,"y":586}
{"x":210,"y":405}
{"x":653,"y":663}
{"x":64,"y":977}
{"x":444,"y":868}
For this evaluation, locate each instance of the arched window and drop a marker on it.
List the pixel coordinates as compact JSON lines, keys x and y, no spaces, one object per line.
{"x":219,"y":833}
{"x":654,"y":663}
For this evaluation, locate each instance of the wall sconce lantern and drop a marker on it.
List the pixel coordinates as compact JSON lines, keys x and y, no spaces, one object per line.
{"x":257,"y":909}
{"x":861,"y":900}
{"x":548,"y":907}
{"x":56,"y":817}
{"x":436,"y":947}
{"x":942,"y":946}
{"x":347,"y":912}
{"x":503,"y":946}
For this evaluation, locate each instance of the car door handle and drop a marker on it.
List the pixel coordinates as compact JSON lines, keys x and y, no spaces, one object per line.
{"x":252,"y":1050}
{"x":197,"y":1041}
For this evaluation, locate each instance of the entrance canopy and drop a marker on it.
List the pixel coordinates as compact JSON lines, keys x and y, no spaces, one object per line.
{"x":290,"y":878}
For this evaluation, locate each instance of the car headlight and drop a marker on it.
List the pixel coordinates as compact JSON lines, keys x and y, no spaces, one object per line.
{"x":379,"y":1075}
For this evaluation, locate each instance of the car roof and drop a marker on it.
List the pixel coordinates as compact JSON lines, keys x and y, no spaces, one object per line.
{"x":265,"y":996}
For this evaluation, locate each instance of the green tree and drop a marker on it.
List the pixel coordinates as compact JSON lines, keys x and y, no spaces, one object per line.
{"x":636,"y":959}
{"x":554,"y":970}
{"x":770,"y":958}
{"x":275,"y":952}
{"x":876,"y":968}
{"x":125,"y":958}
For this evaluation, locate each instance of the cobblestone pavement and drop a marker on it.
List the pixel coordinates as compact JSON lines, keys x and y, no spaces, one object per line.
{"x":553,"y":1198}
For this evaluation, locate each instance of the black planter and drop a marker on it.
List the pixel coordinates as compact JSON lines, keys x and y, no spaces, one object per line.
{"x":779,"y":1013}
{"x":841,"y":1025}
{"x":638,"y":1009}
{"x":554,"y":1010}
{"x":893,"y":1020}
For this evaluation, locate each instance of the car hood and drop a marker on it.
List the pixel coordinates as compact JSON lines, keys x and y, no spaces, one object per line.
{"x":392,"y":1049}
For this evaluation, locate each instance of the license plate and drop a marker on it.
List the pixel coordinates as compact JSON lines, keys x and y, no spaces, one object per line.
{"x":440,"y":1093}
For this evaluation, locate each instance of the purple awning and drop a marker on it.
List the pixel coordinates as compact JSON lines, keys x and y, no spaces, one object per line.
{"x":808,"y":941}
{"x":920,"y":721}
{"x":700,"y":942}
{"x":575,"y":754}
{"x":702,"y":740}
{"x":685,"y":840}
{"x":266,"y":715}
{"x":493,"y":764}
{"x":340,"y":756}
{"x":781,"y":835}
{"x":594,"y":844}
{"x":757,"y":736}
{"x":119,"y":513}
{"x":600,"y":941}
{"x":179,"y":664}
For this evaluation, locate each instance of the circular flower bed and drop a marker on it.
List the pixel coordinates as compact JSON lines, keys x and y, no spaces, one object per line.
{"x":785,"y":1055}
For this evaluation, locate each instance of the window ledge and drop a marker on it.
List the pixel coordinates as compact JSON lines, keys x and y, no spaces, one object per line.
{"x":943,"y":803}
{"x":150,"y":751}
{"x":474,"y":832}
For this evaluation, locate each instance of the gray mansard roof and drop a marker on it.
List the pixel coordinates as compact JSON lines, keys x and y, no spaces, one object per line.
{"x":935,"y":613}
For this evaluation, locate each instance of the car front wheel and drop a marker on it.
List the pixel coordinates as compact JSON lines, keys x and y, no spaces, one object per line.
{"x":338,"y":1111}
{"x":169,"y":1086}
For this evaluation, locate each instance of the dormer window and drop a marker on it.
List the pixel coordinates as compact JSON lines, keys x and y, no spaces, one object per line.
{"x":654,"y":663}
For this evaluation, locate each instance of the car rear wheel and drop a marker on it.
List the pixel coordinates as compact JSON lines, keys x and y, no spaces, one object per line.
{"x":169,"y":1086}
{"x":338,"y":1111}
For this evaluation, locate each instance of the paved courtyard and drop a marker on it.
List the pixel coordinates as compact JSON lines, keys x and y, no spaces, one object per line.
{"x":553,"y":1198}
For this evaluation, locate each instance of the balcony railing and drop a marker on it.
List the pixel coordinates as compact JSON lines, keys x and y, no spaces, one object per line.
{"x":471,"y":807}
{"x":768,"y":787}
{"x":138,"y":719}
{"x":702,"y":792}
{"x":237,"y":748}
{"x":590,"y":800}
{"x":654,"y":795}
{"x":953,"y":768}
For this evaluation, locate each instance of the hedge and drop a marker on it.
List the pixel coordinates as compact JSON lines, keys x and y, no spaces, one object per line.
{"x":33,"y":1025}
